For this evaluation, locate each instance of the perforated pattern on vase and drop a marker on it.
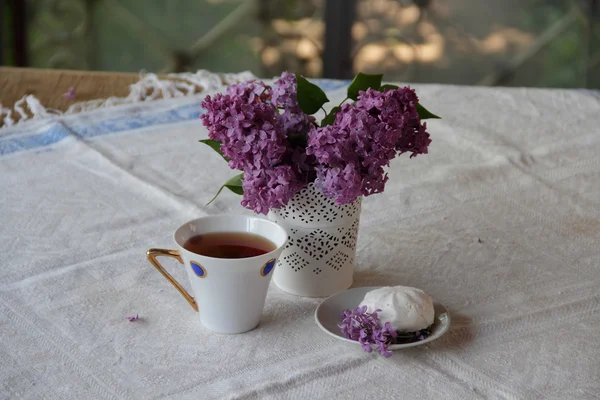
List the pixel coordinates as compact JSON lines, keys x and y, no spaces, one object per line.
{"x":317,"y":244}
{"x":322,"y":236}
{"x":291,"y":239}
{"x":310,"y":206}
{"x":294,"y":260}
{"x":348,"y":238}
{"x":340,"y":258}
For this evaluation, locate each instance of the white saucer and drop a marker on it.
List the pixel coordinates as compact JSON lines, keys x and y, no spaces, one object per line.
{"x":329,"y":311}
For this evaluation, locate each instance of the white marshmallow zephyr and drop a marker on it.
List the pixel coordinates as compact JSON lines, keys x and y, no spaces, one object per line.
{"x":408,"y":309}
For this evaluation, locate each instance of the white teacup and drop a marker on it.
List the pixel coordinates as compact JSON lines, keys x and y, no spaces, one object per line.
{"x":229,"y":294}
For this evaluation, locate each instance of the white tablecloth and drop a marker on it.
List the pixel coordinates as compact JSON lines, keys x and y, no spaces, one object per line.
{"x":500,"y":223}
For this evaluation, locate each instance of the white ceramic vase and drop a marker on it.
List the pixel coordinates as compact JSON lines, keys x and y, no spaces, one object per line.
{"x":319,"y":257}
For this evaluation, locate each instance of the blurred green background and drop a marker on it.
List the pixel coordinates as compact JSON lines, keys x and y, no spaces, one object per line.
{"x":545,"y":43}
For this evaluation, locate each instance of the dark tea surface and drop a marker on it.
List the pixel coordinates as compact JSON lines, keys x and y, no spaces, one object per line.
{"x":229,"y":245}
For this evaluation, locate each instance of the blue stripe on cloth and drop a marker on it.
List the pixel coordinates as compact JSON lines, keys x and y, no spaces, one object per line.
{"x":329,"y":85}
{"x":188,"y":112}
{"x":57,"y":132}
{"x":54,"y":134}
{"x":87,"y":129}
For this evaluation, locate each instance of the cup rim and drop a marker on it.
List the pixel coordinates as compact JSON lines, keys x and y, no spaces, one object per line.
{"x":247,"y":217}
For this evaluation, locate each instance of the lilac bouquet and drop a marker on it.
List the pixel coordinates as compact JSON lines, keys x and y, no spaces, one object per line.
{"x":367,"y":329}
{"x":269,"y":133}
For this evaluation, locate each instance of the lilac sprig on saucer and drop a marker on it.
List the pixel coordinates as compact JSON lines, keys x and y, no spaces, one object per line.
{"x":367,"y":329}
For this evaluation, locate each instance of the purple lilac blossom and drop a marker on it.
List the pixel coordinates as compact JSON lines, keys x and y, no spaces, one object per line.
{"x":302,"y":163}
{"x":265,"y":189}
{"x":365,"y":328}
{"x":249,"y":130}
{"x":363,"y":139}
{"x":383,"y":338}
{"x":343,"y":185}
{"x":284,"y":97}
{"x":346,"y":159}
{"x":398,"y":110}
{"x":250,"y":92}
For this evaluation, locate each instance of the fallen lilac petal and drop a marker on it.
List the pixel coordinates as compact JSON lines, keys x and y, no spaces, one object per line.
{"x":385,"y":352}
{"x":70,"y":94}
{"x":367,"y":347}
{"x":132,"y":318}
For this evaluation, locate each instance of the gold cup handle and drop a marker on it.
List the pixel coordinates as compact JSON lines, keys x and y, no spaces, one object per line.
{"x":152,"y":254}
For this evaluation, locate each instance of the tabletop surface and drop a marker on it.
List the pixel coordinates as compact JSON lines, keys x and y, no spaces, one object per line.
{"x":500,"y":223}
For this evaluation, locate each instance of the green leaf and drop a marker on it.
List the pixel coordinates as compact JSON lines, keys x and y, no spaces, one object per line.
{"x":215,"y":145}
{"x":363,"y":82}
{"x":234,"y":184}
{"x":425,"y":113}
{"x":330,"y":118}
{"x":310,"y":97}
{"x":383,"y":88}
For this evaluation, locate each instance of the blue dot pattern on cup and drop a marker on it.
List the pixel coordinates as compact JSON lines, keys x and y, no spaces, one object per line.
{"x":268,"y":267}
{"x":198,"y":269}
